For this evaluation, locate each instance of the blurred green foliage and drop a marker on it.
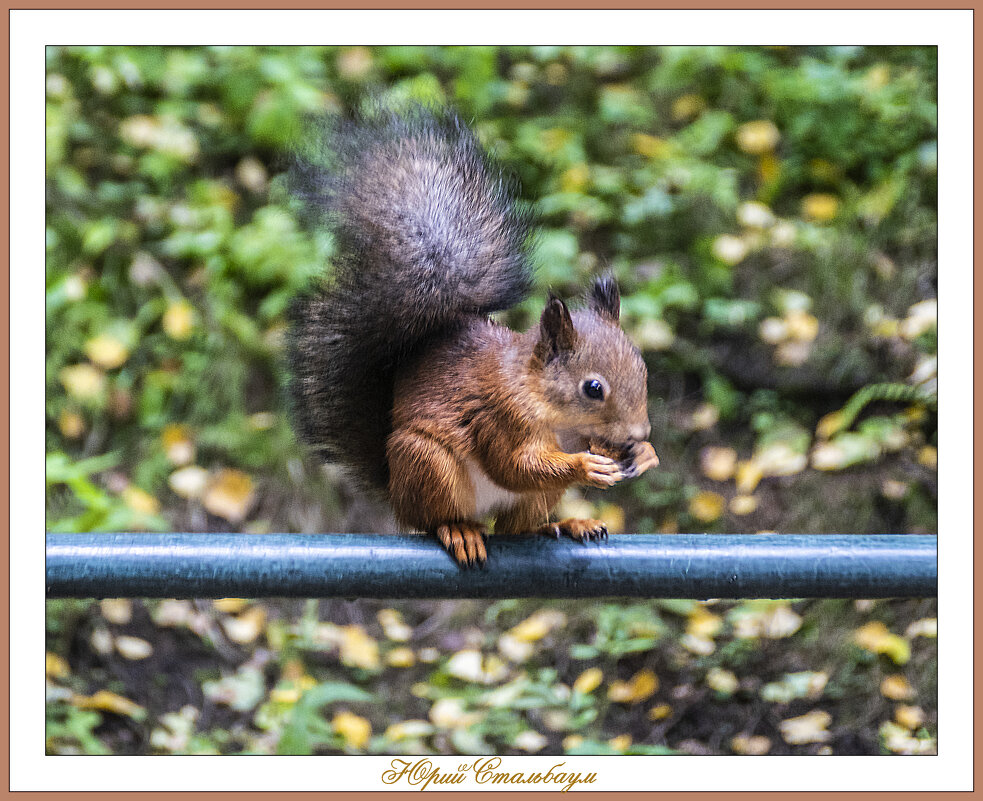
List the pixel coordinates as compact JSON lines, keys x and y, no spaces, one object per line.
{"x":770,"y":214}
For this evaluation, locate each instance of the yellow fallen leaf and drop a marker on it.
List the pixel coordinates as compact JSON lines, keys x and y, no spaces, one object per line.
{"x":358,"y":649}
{"x":179,"y":447}
{"x":769,"y":168}
{"x":653,"y":334}
{"x":722,"y":681}
{"x":75,"y":287}
{"x":538,"y":625}
{"x":875,"y":637}
{"x":898,"y":739}
{"x":755,"y":215}
{"x":613,"y":516}
{"x":773,"y":331}
{"x":449,"y":713}
{"x":354,"y":63}
{"x":779,"y":622}
{"x":820,"y":207}
{"x":807,"y":728}
{"x":921,"y":317}
{"x":756,"y":745}
{"x":409,"y":729}
{"x":718,"y":464}
{"x":925,"y":309}
{"x":925,"y":627}
{"x":514,"y":649}
{"x":929,"y":457}
{"x":638,"y":688}
{"x":101,"y":640}
{"x":747,"y":475}
{"x":659,"y":712}
{"x":743,"y":504}
{"x":706,"y":506}
{"x":261,"y":421}
{"x":556,"y":719}
{"x":705,"y":416}
{"x":83,"y":382}
{"x":106,"y":351}
{"x":179,"y":320}
{"x":140,"y":501}
{"x":106,"y":701}
{"x":229,"y":495}
{"x":189,"y":482}
{"x":886,"y":328}
{"x":780,"y":459}
{"x":133,"y":647}
{"x":801,"y":325}
{"x":877,"y":77}
{"x":830,"y":424}
{"x":251,"y":173}
{"x":701,"y":646}
{"x":401,"y":657}
{"x":757,"y":137}
{"x":621,"y":742}
{"x":911,"y":717}
{"x":894,"y":490}
{"x":71,"y":424}
{"x":172,"y":612}
{"x":897,"y":688}
{"x":246,"y":627}
{"x":792,"y":354}
{"x":530,"y":741}
{"x":649,"y":146}
{"x":687,"y":106}
{"x":703,"y":623}
{"x":572,"y":741}
{"x":230,"y":606}
{"x":729,"y":249}
{"x":575,"y":178}
{"x":285,"y":695}
{"x":470,"y":666}
{"x":55,"y":667}
{"x":588,"y":681}
{"x":354,"y":729}
{"x":117,"y":610}
{"x":393,"y":625}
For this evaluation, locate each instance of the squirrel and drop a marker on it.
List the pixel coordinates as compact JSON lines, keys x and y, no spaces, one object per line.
{"x":398,"y":372}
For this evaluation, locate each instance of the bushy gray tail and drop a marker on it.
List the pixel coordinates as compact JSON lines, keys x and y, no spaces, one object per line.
{"x":427,"y":232}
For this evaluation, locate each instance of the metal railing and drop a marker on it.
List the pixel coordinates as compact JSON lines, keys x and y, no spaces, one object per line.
{"x":415,"y":566}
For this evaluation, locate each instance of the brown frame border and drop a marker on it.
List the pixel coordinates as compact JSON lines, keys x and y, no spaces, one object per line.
{"x":485,"y":5}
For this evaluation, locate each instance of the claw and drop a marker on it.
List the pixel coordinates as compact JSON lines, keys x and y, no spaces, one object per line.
{"x":465,"y":542}
{"x":582,"y":531}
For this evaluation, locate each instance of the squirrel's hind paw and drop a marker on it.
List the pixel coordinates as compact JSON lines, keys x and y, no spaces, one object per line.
{"x":579,"y":530}
{"x":465,"y":542}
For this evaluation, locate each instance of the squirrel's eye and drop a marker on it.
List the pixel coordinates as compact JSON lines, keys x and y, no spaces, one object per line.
{"x":594,"y":389}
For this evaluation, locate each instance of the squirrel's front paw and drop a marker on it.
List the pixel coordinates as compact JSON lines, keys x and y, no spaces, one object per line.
{"x":464,"y":541}
{"x":600,"y":471}
{"x":575,"y":529}
{"x":643,"y":456}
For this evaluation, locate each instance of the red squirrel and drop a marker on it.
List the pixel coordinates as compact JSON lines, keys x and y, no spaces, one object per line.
{"x":399,"y":374}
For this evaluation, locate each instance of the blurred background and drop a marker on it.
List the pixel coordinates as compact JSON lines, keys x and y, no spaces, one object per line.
{"x":770,"y":214}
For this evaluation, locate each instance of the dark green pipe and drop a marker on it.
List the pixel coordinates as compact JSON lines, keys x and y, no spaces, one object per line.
{"x":415,"y":566}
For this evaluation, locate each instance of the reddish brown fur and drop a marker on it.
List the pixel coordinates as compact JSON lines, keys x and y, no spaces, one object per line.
{"x":489,"y":396}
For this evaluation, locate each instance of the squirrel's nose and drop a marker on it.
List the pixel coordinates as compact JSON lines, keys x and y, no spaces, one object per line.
{"x":640,"y":433}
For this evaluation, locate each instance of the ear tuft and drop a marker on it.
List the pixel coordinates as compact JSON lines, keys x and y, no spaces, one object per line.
{"x":556,"y":332}
{"x":604,"y":298}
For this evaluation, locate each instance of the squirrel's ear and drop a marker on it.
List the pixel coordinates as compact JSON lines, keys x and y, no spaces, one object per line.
{"x":605,"y":298}
{"x":556,"y":332}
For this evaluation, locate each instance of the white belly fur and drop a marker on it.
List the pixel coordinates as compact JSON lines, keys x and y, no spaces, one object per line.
{"x":488,"y":496}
